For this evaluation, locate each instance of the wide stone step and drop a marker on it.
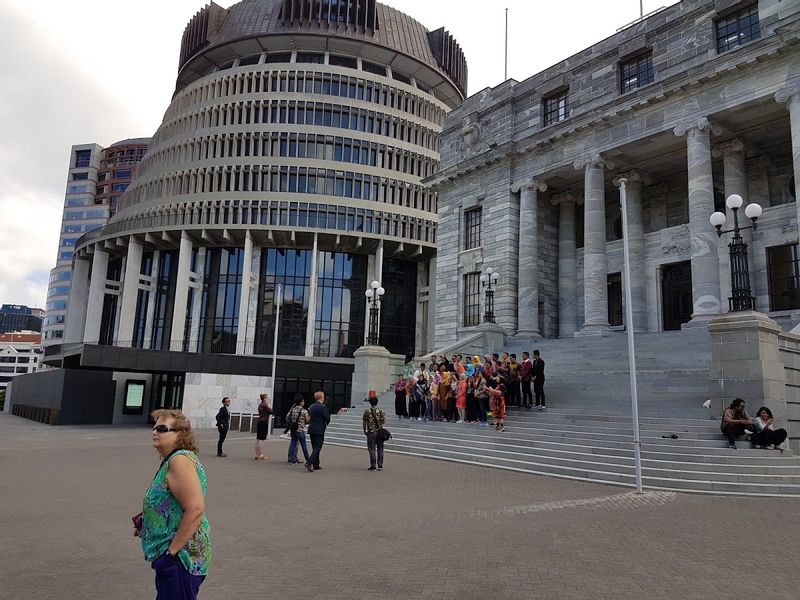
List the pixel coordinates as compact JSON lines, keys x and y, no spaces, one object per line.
{"x":588,"y":471}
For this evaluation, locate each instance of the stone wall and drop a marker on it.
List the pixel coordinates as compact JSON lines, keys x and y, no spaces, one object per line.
{"x":203,"y":393}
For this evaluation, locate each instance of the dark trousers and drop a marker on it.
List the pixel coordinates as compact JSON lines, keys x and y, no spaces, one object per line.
{"x":472,"y":408}
{"x":223,"y":433}
{"x":538,"y":389}
{"x":400,"y":403}
{"x":527,"y":395}
{"x":413,"y":407}
{"x":732,"y":431}
{"x":768,"y":437}
{"x":513,"y":393}
{"x":173,"y":581}
{"x":375,"y":449}
{"x":483,"y":408}
{"x":317,"y":439}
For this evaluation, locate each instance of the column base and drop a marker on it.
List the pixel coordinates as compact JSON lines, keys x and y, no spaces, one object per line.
{"x":699,"y":321}
{"x":528,"y":333}
{"x":593,"y":331}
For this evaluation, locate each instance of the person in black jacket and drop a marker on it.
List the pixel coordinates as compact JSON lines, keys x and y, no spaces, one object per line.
{"x":223,"y":424}
{"x":538,"y":380}
{"x":319,"y":417}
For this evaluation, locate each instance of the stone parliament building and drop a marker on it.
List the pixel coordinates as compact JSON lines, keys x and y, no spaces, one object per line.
{"x":699,"y":101}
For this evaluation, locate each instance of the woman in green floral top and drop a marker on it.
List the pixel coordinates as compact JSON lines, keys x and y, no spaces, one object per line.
{"x":174,"y":530}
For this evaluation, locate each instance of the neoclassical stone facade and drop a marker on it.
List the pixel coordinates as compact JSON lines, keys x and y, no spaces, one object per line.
{"x":697,"y":102}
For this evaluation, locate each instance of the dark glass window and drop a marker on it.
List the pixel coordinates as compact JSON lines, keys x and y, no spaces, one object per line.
{"x":472,"y":228}
{"x":165,"y":300}
{"x":472,"y":299}
{"x":108,"y":318}
{"x":123,"y":174}
{"x":783,"y":271}
{"x":82,"y":158}
{"x":219,"y":308}
{"x":119,"y":187}
{"x":373,"y":68}
{"x":341,"y":304}
{"x":279,"y":57}
{"x":342,"y":61}
{"x":291,"y":269}
{"x":738,"y":28}
{"x":636,"y":72}
{"x":80,"y":176}
{"x":310,"y":57}
{"x":398,"y":305}
{"x":555,"y":107}
{"x":337,"y":394}
{"x":249,"y":60}
{"x":142,"y":301}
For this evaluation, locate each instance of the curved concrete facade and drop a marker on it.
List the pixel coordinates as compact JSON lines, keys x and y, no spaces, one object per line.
{"x":286,"y":142}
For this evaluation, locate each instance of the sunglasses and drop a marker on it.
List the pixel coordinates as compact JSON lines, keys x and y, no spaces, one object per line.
{"x":165,"y":429}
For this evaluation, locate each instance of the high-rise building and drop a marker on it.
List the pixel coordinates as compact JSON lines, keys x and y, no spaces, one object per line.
{"x":15,"y":317}
{"x":291,"y":155}
{"x":96,"y":180}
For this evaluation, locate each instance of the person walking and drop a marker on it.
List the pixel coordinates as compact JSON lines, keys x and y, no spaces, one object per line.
{"x":319,"y":417}
{"x":175,"y":533}
{"x":296,"y":419}
{"x":525,"y":378}
{"x":373,"y":420}
{"x":223,"y":424}
{"x":262,"y":429}
{"x":538,"y":380}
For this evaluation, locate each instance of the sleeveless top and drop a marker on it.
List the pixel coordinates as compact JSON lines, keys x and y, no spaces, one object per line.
{"x":161,"y":517}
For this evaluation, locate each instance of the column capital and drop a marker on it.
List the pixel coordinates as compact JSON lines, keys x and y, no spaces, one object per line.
{"x":534,"y":184}
{"x":593,"y":160}
{"x":697,"y":125}
{"x":788,"y":95}
{"x":632,"y":176}
{"x":730,"y":147}
{"x":565,"y":197}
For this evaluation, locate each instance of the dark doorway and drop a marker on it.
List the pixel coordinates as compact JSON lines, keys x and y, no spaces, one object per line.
{"x":167,"y":391}
{"x":676,"y":294}
{"x":614,"y":299}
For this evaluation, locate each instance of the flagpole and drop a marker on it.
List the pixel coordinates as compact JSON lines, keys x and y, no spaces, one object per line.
{"x":637,"y":444}
{"x":505,"y":69}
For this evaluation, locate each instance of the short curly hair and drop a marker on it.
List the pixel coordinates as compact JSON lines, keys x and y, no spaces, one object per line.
{"x":185,"y":438}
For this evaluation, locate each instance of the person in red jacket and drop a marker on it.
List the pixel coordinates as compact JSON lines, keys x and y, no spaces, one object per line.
{"x":525,"y":378}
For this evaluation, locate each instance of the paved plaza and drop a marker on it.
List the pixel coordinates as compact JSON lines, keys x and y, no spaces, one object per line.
{"x":419,"y":529}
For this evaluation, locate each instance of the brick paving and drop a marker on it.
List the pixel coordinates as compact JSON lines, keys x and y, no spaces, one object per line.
{"x":420,"y":529}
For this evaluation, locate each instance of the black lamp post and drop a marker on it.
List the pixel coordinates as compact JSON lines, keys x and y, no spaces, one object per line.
{"x":373,"y":294}
{"x":741,"y":297}
{"x":487,"y":279}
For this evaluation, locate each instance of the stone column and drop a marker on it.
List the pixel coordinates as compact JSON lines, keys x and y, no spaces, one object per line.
{"x":791,"y":97}
{"x":595,"y":263}
{"x":705,"y":261}
{"x":528,"y":259}
{"x":76,"y":309}
{"x":151,"y":301}
{"x":97,"y":293}
{"x":567,"y":265}
{"x":311,"y":321}
{"x":130,"y":293}
{"x":244,"y":298}
{"x":633,"y":197}
{"x":181,"y":294}
{"x":735,"y":176}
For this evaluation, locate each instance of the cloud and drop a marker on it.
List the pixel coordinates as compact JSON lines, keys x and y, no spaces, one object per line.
{"x":48,"y":106}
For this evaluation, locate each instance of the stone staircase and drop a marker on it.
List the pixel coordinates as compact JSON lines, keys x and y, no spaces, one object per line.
{"x":592,"y":447}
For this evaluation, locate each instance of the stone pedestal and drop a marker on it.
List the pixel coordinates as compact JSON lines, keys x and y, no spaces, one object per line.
{"x":746,"y":363}
{"x":371,"y":372}
{"x":493,"y":337}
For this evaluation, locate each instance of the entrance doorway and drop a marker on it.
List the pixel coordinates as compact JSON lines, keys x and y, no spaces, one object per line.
{"x":676,"y":294}
{"x":614,"y":299}
{"x":167,"y":391}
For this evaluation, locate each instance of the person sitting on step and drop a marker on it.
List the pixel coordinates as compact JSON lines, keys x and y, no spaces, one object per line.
{"x":735,"y":422}
{"x":764,"y":432}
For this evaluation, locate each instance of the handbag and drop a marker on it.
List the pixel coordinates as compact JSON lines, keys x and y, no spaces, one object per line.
{"x":383,"y":433}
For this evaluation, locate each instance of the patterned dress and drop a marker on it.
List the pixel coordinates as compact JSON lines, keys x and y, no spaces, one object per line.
{"x":161,"y":517}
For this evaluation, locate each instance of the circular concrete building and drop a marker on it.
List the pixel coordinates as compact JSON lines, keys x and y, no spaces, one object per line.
{"x":292,"y":153}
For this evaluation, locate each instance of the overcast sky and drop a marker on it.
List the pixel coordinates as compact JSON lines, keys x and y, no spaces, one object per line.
{"x":101,"y":71}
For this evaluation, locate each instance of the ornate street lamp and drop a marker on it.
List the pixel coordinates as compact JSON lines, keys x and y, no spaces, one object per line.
{"x":488,"y":278}
{"x":741,"y":298}
{"x":373,"y":294}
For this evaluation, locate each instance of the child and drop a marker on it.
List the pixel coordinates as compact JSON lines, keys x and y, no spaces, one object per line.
{"x":461,"y":397}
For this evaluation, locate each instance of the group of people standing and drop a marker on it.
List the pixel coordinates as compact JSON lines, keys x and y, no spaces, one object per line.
{"x":470,"y":391}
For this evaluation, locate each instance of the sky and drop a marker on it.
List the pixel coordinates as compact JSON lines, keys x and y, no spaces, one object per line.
{"x":99,"y":71}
